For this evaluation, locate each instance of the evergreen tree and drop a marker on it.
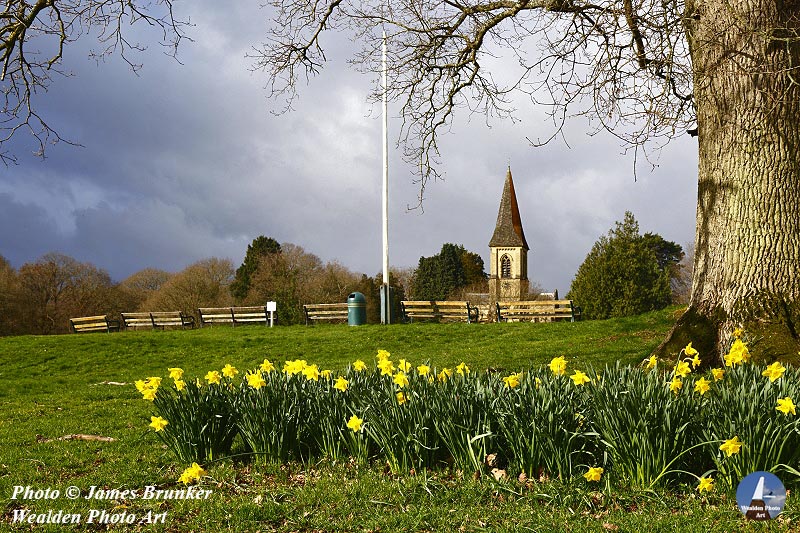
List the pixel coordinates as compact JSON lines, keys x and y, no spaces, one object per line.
{"x":625,"y":273}
{"x":452,"y":268}
{"x":260,"y":247}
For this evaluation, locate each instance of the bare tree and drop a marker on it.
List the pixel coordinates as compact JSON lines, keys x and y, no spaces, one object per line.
{"x":33,"y":35}
{"x":645,"y":70}
{"x":202,"y":284}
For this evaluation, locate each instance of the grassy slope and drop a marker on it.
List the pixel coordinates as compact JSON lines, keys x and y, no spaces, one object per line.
{"x":53,"y":386}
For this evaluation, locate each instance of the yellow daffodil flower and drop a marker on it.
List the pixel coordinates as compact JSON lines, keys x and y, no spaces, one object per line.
{"x":738,"y":354}
{"x":774,"y":371}
{"x":675,"y":385}
{"x":423,"y":370}
{"x":158,"y":423}
{"x":294,"y":367}
{"x":689,"y":350}
{"x":579,"y":378}
{"x":267,"y":366}
{"x":462,"y":369}
{"x":180,"y":385}
{"x":311,"y":372}
{"x":255,"y":380}
{"x":594,"y":474}
{"x":702,"y":386}
{"x":403,"y":365}
{"x":737,"y":333}
{"x":786,"y":406}
{"x":383,"y":355}
{"x":213,"y":377}
{"x":444,"y":374}
{"x":193,"y":473}
{"x":682,"y":369}
{"x":652,"y":361}
{"x":175,"y":373}
{"x":696,"y":361}
{"x":512,"y":381}
{"x":400,"y":379}
{"x":558,"y":365}
{"x":355,"y":423}
{"x":731,"y":446}
{"x":359,"y":365}
{"x":706,"y":484}
{"x":401,"y":398}
{"x":341,"y":384}
{"x":229,"y":371}
{"x":326,"y":374}
{"x":718,"y":373}
{"x":149,"y":394}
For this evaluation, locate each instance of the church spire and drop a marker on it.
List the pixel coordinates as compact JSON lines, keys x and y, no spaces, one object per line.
{"x":508,"y":231}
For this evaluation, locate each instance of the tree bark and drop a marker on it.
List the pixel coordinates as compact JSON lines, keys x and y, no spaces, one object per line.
{"x":745,"y":57}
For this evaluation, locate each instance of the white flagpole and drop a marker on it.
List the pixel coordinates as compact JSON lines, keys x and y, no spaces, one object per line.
{"x":386,"y":300}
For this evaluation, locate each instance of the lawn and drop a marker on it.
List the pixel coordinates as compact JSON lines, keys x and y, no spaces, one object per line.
{"x":52,"y":387}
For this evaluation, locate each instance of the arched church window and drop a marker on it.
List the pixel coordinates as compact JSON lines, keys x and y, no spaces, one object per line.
{"x":505,"y":267}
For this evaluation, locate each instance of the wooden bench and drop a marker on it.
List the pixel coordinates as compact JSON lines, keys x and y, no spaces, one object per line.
{"x":439,"y":310}
{"x":88,"y":324}
{"x":537,"y":311}
{"x":157,"y":319}
{"x":315,"y":312}
{"x":233,"y":315}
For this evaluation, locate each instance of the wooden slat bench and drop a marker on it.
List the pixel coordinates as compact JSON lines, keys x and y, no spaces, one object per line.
{"x":439,"y":310}
{"x":233,"y":315}
{"x":157,"y":319}
{"x":88,"y":324}
{"x":315,"y":312}
{"x":537,"y":311}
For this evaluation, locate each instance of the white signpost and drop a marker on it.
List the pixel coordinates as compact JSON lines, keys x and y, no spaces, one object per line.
{"x":272,"y":307}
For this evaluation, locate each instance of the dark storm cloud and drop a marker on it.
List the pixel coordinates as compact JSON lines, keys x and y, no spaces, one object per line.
{"x":185,"y":161}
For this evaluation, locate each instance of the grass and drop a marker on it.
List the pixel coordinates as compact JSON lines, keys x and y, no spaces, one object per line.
{"x":56,"y":386}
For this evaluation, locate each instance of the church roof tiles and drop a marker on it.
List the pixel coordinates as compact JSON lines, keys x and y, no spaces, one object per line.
{"x":508,"y":231}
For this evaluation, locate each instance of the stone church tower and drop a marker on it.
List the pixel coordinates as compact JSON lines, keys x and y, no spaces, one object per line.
{"x":508,"y":270}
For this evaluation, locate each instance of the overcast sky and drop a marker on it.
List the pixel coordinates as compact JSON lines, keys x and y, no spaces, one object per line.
{"x":186,"y":161}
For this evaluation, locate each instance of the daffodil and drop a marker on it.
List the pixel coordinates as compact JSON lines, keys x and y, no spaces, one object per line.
{"x":737,"y":333}
{"x":579,"y":378}
{"x":462,"y":369}
{"x":702,"y":386}
{"x":149,"y":394}
{"x":512,"y":381}
{"x":738,"y":354}
{"x":706,"y":484}
{"x":140,"y":385}
{"x":689,"y":350}
{"x":682,"y":369}
{"x":423,"y":370}
{"x":400,"y":379}
{"x":213,"y":377}
{"x":158,"y":423}
{"x":326,"y":374}
{"x":193,"y":473}
{"x":774,"y":371}
{"x":311,"y":372}
{"x":403,"y":365}
{"x":444,"y":374}
{"x":359,"y":365}
{"x":718,"y":373}
{"x":341,"y":384}
{"x":594,"y":474}
{"x":386,"y":366}
{"x":558,"y":365}
{"x":401,"y":398}
{"x":383,"y":355}
{"x":180,"y":385}
{"x":731,"y":446}
{"x":786,"y":406}
{"x":294,"y":367}
{"x":652,"y":361}
{"x":267,"y":366}
{"x":355,"y":423}
{"x":255,"y":380}
{"x":152,"y":383}
{"x":175,"y":373}
{"x":229,"y":371}
{"x":696,"y":361}
{"x":675,"y":385}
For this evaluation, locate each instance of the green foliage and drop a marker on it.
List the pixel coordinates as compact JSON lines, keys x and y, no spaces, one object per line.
{"x":260,"y":247}
{"x":452,"y":268}
{"x":625,"y":273}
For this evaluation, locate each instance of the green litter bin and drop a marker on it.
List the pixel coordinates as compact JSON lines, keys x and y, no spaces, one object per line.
{"x":356,"y":309}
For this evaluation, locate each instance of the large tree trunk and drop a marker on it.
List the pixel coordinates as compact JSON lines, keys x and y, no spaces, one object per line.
{"x":746,"y":57}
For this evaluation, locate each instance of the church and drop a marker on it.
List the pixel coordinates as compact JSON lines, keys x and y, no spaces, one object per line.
{"x":508,"y":263}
